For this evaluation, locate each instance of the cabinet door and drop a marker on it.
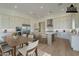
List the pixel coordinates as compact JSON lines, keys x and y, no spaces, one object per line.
{"x":0,"y":21}
{"x":5,"y":21}
{"x":75,"y":43}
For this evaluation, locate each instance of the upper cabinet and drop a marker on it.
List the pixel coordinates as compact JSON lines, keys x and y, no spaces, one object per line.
{"x":8,"y":21}
{"x":5,"y":21}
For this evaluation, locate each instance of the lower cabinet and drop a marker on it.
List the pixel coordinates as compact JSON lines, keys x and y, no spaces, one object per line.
{"x":75,"y":42}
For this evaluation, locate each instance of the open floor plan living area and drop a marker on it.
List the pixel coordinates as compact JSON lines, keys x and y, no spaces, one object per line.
{"x":39,"y":29}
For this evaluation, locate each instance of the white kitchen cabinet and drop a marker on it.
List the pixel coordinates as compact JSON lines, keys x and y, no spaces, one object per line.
{"x":64,"y":35}
{"x":75,"y":42}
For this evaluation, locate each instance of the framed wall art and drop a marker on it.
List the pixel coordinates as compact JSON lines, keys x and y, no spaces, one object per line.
{"x":50,"y":23}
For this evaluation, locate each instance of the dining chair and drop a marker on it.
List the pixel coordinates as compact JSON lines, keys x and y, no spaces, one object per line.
{"x":22,"y":40}
{"x":43,"y":38}
{"x":37,"y":36}
{"x":43,"y":53}
{"x":30,"y":49}
{"x":31,"y":37}
{"x":5,"y":49}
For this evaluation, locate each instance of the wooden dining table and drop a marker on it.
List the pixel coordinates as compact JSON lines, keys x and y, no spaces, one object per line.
{"x":15,"y":42}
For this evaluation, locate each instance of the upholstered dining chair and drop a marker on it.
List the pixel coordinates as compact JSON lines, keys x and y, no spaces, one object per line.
{"x":5,"y":49}
{"x":30,"y":49}
{"x":31,"y":37}
{"x":43,"y":37}
{"x":22,"y":40}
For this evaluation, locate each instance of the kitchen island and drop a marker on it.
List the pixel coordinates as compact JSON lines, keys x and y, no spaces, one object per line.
{"x":50,"y":37}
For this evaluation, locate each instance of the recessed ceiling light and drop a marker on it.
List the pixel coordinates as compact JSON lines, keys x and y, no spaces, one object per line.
{"x":42,"y":7}
{"x":48,"y":13}
{"x":15,"y":6}
{"x":31,"y":12}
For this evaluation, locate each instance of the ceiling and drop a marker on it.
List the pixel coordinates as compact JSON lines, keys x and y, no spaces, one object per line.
{"x":38,"y":10}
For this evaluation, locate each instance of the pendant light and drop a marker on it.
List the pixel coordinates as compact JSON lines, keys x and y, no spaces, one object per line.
{"x":71,"y":9}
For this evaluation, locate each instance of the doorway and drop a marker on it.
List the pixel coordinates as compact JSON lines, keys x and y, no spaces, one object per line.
{"x":42,"y":27}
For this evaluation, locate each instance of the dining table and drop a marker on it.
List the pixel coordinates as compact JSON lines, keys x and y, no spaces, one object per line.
{"x":15,"y":41}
